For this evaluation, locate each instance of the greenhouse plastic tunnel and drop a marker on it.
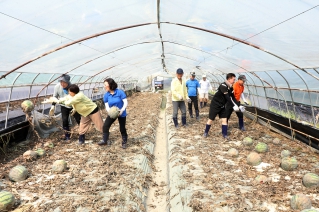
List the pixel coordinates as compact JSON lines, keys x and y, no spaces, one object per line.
{"x":136,"y":42}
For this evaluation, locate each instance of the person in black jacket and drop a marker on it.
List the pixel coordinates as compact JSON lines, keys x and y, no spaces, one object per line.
{"x":224,"y":94}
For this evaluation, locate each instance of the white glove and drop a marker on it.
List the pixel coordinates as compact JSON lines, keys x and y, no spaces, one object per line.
{"x":180,"y":97}
{"x":236,"y":108}
{"x":189,"y":100}
{"x":73,"y":111}
{"x":242,"y":108}
{"x":51,"y":112}
{"x":50,"y":100}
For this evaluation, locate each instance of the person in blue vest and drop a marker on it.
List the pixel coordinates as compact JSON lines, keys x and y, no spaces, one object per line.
{"x":114,"y":97}
{"x":192,"y":90}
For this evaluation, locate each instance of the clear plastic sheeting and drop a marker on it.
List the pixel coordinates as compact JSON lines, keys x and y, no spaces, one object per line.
{"x":273,"y":43}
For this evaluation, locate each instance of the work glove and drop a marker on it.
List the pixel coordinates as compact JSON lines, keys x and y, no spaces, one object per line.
{"x":51,"y":112}
{"x":73,"y":111}
{"x":121,"y":112}
{"x":189,"y":100}
{"x":180,"y":97}
{"x":236,"y":108}
{"x":50,"y":100}
{"x":242,"y":108}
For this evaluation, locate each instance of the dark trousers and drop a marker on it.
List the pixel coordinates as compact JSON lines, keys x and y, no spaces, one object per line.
{"x":194,"y":101}
{"x":65,"y":112}
{"x":229,"y":111}
{"x":108,"y":122}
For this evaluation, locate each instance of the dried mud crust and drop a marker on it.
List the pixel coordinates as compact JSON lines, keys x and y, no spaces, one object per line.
{"x":218,"y":182}
{"x":98,"y":178}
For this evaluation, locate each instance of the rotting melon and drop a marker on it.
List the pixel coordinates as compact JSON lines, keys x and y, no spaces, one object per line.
{"x":248,"y":141}
{"x":253,"y":159}
{"x":261,"y":179}
{"x":18,"y":173}
{"x":7,"y":200}
{"x":27,"y":106}
{"x":114,"y":112}
{"x":276,"y":141}
{"x":289,"y":163}
{"x":59,"y":166}
{"x":310,"y":180}
{"x":261,"y":147}
{"x":30,"y":155}
{"x":233,"y":152}
{"x":285,"y":153}
{"x":300,"y":202}
{"x":41,"y":152}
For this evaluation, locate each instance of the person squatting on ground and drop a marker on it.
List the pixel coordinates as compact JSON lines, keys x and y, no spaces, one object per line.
{"x":60,"y":91}
{"x":238,"y":92}
{"x":86,"y":108}
{"x":179,"y":95}
{"x":205,"y":87}
{"x":192,"y":86}
{"x":223,"y":95}
{"x":114,"y":97}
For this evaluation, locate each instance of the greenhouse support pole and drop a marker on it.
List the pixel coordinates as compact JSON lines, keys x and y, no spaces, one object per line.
{"x":9,"y":99}
{"x":311,"y":106}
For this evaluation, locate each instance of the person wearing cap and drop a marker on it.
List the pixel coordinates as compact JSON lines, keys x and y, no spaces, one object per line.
{"x":193,"y":89}
{"x":179,"y":95}
{"x":61,"y":91}
{"x":238,"y":88}
{"x":223,"y":95}
{"x":205,"y":86}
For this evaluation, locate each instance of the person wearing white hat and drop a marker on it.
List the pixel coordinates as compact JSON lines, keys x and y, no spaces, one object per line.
{"x":205,"y":86}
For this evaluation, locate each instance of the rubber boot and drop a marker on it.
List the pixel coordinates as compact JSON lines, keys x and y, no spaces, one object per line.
{"x":124,"y":142}
{"x":81,"y":139}
{"x":197,"y":114}
{"x":241,"y":124}
{"x":105,"y":140}
{"x":175,"y":122}
{"x":191,"y":113}
{"x":184,"y":121}
{"x":205,"y":103}
{"x":224,"y":132}
{"x":66,"y":133}
{"x":201,"y":104}
{"x":206,"y":130}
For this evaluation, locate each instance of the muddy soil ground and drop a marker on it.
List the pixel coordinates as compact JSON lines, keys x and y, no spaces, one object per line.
{"x":218,"y":182}
{"x":98,"y":178}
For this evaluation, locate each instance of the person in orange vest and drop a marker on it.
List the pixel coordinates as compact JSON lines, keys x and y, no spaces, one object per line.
{"x":238,"y":93}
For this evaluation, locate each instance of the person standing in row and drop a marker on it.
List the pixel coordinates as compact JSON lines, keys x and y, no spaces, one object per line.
{"x":179,"y":95}
{"x":86,"y":108}
{"x":114,"y":97}
{"x":205,"y":86}
{"x":61,"y":91}
{"x":238,"y":93}
{"x":192,"y":89}
{"x":223,"y":95}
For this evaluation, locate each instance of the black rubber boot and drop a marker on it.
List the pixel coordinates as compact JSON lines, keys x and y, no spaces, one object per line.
{"x":124,"y":142}
{"x":105,"y":140}
{"x":175,"y":122}
{"x":191,"y":113}
{"x":197,"y":114}
{"x":184,"y":121}
{"x":81,"y":139}
{"x":66,"y":133}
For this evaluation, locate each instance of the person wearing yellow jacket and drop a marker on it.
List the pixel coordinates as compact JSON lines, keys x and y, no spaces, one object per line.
{"x":86,"y":108}
{"x":179,"y":95}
